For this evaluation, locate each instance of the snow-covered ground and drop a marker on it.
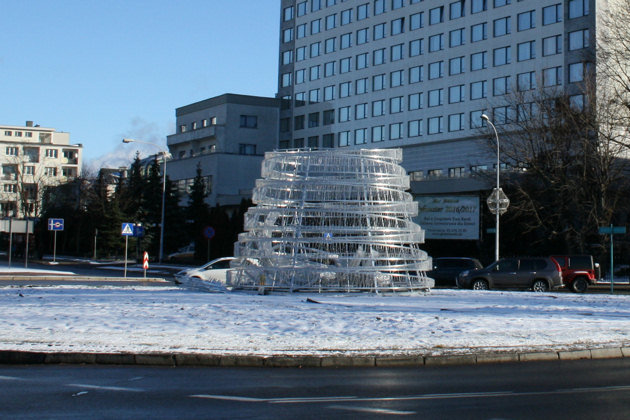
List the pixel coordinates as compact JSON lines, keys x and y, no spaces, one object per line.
{"x":172,"y":319}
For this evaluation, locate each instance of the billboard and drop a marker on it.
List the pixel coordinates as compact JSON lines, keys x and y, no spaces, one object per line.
{"x":449,"y":217}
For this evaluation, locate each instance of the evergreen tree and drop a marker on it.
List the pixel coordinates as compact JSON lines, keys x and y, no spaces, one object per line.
{"x":198,"y":214}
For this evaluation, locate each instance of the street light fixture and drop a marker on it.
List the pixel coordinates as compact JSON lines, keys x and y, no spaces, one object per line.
{"x":165,"y":154}
{"x":498,"y":197}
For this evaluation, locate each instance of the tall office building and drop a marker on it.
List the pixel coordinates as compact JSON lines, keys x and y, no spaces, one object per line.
{"x":418,"y":74}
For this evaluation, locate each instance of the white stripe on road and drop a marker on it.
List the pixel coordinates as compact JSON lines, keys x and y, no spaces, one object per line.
{"x":106,"y":388}
{"x":372,"y":410}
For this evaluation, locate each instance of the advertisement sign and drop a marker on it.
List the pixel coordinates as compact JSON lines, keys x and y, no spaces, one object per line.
{"x":449,"y":217}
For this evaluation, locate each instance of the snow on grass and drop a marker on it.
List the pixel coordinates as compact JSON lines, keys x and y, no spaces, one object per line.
{"x":159,"y":319}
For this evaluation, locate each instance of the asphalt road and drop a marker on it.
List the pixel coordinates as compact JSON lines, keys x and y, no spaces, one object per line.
{"x":559,"y":390}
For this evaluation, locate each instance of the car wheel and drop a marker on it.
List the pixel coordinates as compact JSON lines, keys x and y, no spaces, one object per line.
{"x":540,"y":286}
{"x":579,"y":285}
{"x":480,"y":284}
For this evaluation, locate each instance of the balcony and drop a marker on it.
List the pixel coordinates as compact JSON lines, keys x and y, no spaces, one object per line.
{"x":188,"y":136}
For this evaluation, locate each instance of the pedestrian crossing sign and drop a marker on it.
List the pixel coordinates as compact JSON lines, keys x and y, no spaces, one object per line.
{"x":127,"y":229}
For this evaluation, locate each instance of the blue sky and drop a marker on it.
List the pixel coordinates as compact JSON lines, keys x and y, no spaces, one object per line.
{"x":107,"y":69}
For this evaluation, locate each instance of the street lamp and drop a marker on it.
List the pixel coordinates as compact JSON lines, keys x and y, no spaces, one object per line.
{"x":498,"y":197}
{"x":165,"y":154}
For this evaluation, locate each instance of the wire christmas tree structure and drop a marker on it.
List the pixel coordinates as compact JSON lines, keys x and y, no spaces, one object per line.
{"x":331,"y":220}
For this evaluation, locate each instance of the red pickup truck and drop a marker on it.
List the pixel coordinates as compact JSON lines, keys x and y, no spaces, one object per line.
{"x":578,"y":271}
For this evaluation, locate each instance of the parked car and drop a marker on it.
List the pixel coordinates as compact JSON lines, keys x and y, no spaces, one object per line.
{"x":213,"y":271}
{"x":578,"y":271}
{"x":184,"y":253}
{"x":446,"y":269}
{"x":539,"y":274}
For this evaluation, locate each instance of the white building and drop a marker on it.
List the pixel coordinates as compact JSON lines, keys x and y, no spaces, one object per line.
{"x":33,"y":158}
{"x":418,"y":75}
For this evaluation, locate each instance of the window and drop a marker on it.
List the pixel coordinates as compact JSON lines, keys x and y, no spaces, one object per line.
{"x":416,"y":21}
{"x":345,"y":41}
{"x":344,"y":89}
{"x":416,"y":74}
{"x":475,"y":119}
{"x":455,"y":122}
{"x":378,"y":82}
{"x":456,"y":66}
{"x":362,"y":36}
{"x":397,"y":26}
{"x":436,"y":97}
{"x":415,"y":101}
{"x":346,"y":17}
{"x":456,"y":10}
{"x":360,"y":136}
{"x":524,"y":112}
{"x":301,"y":31}
{"x":436,"y":70}
{"x":378,"y":108}
{"x":285,"y":125}
{"x":479,"y":32}
{"x":577,"y":102}
{"x":344,"y":138}
{"x":315,"y":49}
{"x":395,"y":131}
{"x":314,"y":73}
{"x":11,"y":151}
{"x":313,"y":120}
{"x":436,"y":125}
{"x":552,"y":76}
{"x":329,"y":117}
{"x":329,"y":69}
{"x":552,"y":45}
{"x":396,"y":78}
{"x":552,"y":14}
{"x":578,"y":39}
{"x":344,"y":114}
{"x":379,"y":7}
{"x":362,"y":11}
{"x":502,"y":56}
{"x":313,"y":96}
{"x":298,"y":122}
{"x":456,"y":37}
{"x":330,"y":3}
{"x":331,"y":22}
{"x":396,"y":52}
{"x":378,"y":31}
{"x":526,"y":20}
{"x":578,"y":8}
{"x":344,"y":65}
{"x":414,"y":128}
{"x":378,"y":133}
{"x":478,"y":90}
{"x":313,"y":142}
{"x":316,"y":5}
{"x":576,"y":72}
{"x":328,"y":140}
{"x":329,"y":45}
{"x":361,"y":86}
{"x":378,"y":56}
{"x":436,"y":15}
{"x":436,"y":42}
{"x":300,"y":54}
{"x":395,"y":104}
{"x":397,"y":4}
{"x":501,"y":115}
{"x":50,"y":171}
{"x":456,"y":172}
{"x":249,"y":121}
{"x":300,"y":99}
{"x":300,"y":76}
{"x":52,"y":153}
{"x":500,"y":85}
{"x":477,"y":6}
{"x":455,"y":94}
{"x":18,"y":134}
{"x":287,"y":35}
{"x":500,"y":3}
{"x":501,"y":26}
{"x":526,"y":50}
{"x":479,"y":61}
{"x":10,"y":188}
{"x":301,"y":9}
{"x":526,"y":81}
{"x":360,"y":111}
{"x":416,"y":47}
{"x":8,"y":133}
{"x":287,"y":57}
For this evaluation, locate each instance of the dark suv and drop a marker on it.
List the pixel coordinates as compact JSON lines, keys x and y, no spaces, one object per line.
{"x":446,"y":269}
{"x":539,"y":274}
{"x":578,"y":271}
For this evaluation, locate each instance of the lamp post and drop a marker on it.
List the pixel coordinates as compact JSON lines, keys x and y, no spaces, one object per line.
{"x":165,"y":153}
{"x":497,"y":198}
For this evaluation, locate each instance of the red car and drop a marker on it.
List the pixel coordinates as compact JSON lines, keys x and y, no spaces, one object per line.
{"x":578,"y":271}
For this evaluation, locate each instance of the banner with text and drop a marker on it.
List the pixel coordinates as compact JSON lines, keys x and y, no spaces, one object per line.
{"x":449,"y":217}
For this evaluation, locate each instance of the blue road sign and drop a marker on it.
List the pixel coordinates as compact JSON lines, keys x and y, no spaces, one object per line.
{"x":615,"y":230}
{"x":208,"y":232}
{"x":127,"y":229}
{"x":55,"y":224}
{"x":138,"y":231}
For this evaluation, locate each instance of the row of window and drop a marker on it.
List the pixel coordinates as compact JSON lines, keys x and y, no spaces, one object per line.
{"x":456,"y":172}
{"x":49,"y":153}
{"x":552,"y":76}
{"x":456,"y":9}
{"x":10,"y":133}
{"x":195,"y":125}
{"x":10,"y":172}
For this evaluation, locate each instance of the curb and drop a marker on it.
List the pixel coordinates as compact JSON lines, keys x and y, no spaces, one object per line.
{"x":9,"y":357}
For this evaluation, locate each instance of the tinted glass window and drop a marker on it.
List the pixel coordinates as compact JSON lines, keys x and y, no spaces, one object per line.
{"x":507,"y":265}
{"x":580,"y":263}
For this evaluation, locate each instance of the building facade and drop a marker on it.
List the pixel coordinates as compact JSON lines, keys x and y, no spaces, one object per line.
{"x":226,"y":136}
{"x":418,"y":74}
{"x":32,"y":159}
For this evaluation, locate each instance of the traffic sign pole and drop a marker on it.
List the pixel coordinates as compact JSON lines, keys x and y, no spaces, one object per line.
{"x":55,"y":248}
{"x":126,"y":243}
